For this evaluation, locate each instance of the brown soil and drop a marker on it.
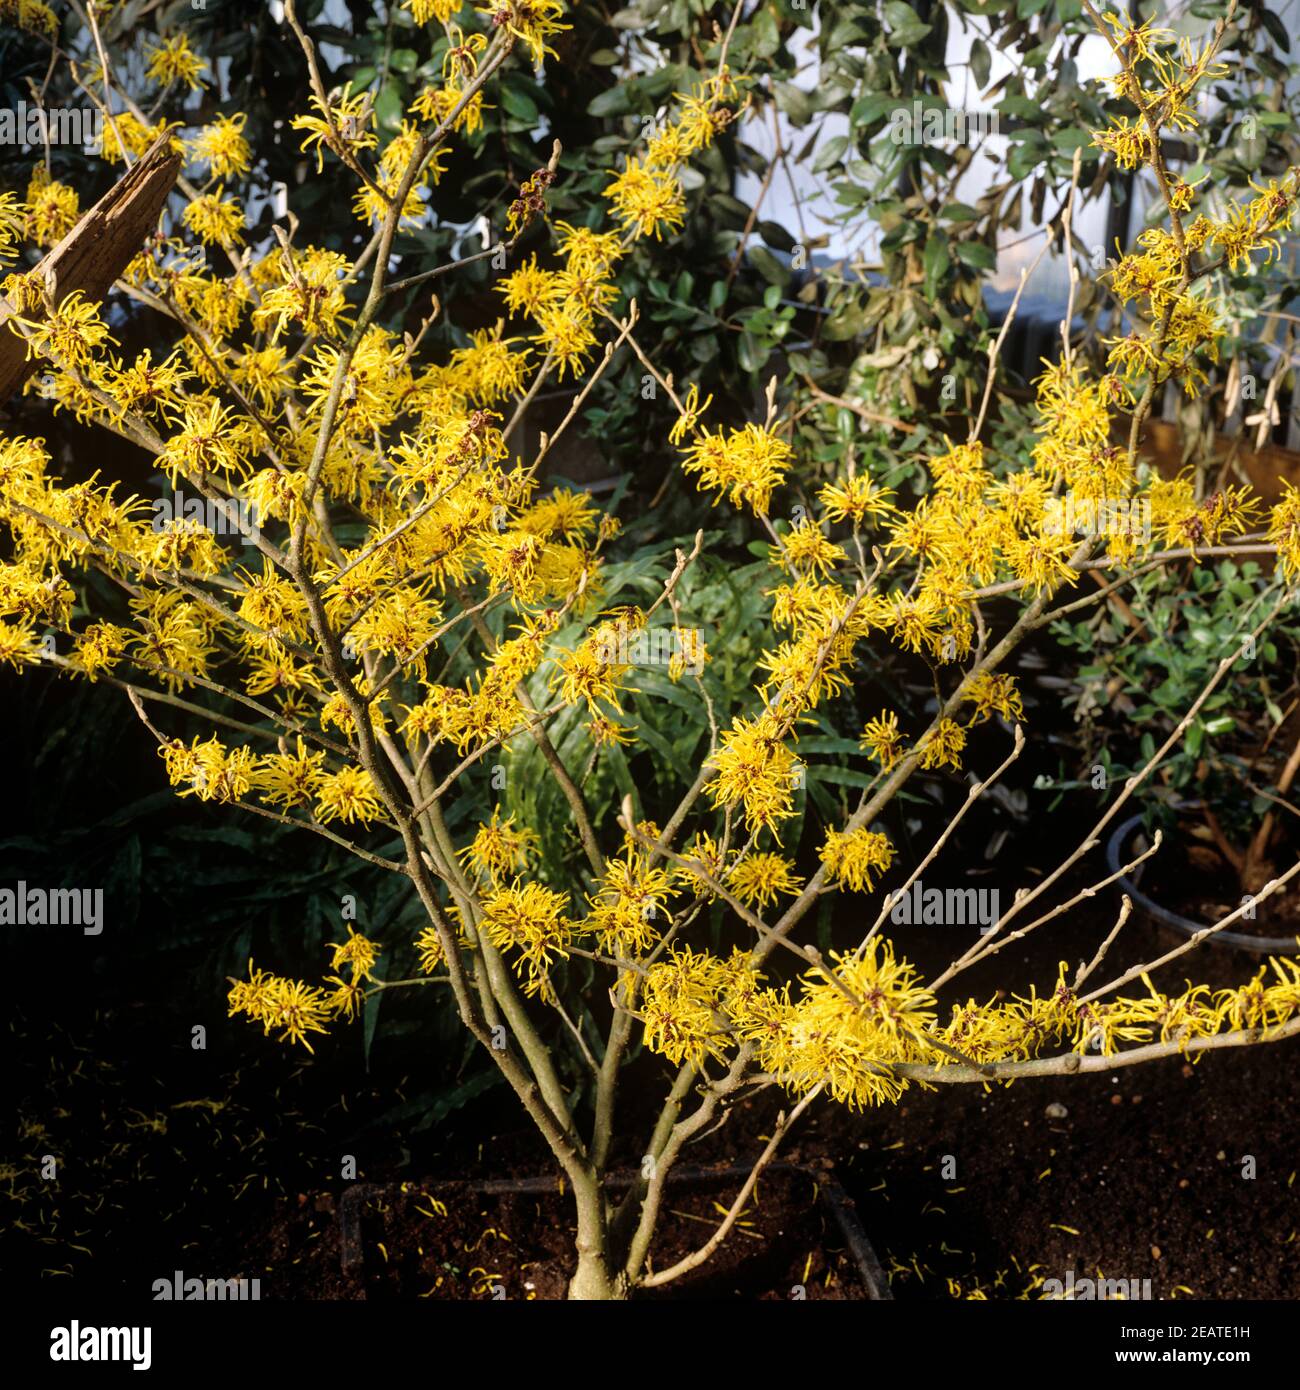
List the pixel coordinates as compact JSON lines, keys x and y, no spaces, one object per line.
{"x":449,"y":1240}
{"x":1195,"y":880}
{"x":1142,"y":1177}
{"x":227,"y":1162}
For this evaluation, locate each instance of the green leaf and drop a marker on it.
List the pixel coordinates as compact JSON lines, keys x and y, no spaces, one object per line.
{"x":776,"y":236}
{"x":389,"y":108}
{"x":840,"y":776}
{"x":1022,"y":107}
{"x":976,"y":255}
{"x":867,"y":110}
{"x":519,"y":105}
{"x":830,"y":153}
{"x":794,"y":102}
{"x":1072,"y":140}
{"x":906,"y":27}
{"x":1276,"y":30}
{"x":935,"y":261}
{"x":443,"y":1106}
{"x":615,"y":102}
{"x":981,"y":62}
{"x":767,"y":265}
{"x":751,"y":354}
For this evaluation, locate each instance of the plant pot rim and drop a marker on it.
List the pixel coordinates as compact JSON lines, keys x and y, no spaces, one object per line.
{"x":1186,"y":926}
{"x":830,"y":1191}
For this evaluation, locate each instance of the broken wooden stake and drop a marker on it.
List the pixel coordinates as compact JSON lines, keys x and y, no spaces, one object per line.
{"x":96,"y":251}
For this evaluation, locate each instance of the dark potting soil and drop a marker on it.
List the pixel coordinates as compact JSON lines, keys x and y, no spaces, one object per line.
{"x":447,"y":1240}
{"x":1193,"y":878}
{"x":1186,"y":1174}
{"x":231,"y":1163}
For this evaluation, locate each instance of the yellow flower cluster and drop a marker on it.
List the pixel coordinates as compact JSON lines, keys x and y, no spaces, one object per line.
{"x":395,"y":526}
{"x":297,"y":1008}
{"x":647,"y":196}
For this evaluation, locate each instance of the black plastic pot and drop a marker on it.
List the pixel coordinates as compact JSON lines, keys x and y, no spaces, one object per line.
{"x":829,"y":1192}
{"x":1116,"y":855}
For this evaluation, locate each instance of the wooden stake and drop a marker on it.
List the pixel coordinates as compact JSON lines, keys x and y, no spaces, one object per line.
{"x":96,"y":251}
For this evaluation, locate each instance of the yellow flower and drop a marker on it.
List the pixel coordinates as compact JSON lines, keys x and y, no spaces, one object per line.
{"x":175,"y":61}
{"x":500,"y":848}
{"x":687,"y":422}
{"x":342,"y":126}
{"x":747,"y":465}
{"x":222,"y":147}
{"x":1040,"y":561}
{"x":348,"y":795}
{"x":849,"y":1024}
{"x":883,"y":740}
{"x":70,"y":335}
{"x":210,"y":770}
{"x":1130,"y":143}
{"x":604,"y":733}
{"x":422,"y":11}
{"x":357,"y":952}
{"x":13,"y":215}
{"x":806,"y":551}
{"x":630,"y":908}
{"x":31,"y":15}
{"x":857,"y":499}
{"x":52,"y":209}
{"x":289,"y":779}
{"x":942,"y":746}
{"x":428,"y":945}
{"x":991,"y":693}
{"x":681,"y":1002}
{"x":19,"y":645}
{"x":758,"y":879}
{"x":210,"y":441}
{"x":99,"y":648}
{"x":530,"y":289}
{"x":533,"y":921}
{"x":533,"y":21}
{"x":290,"y":1005}
{"x":1284,"y":531}
{"x":126,"y":130}
{"x":587,"y":252}
{"x":852,"y":857}
{"x":699,"y":122}
{"x":754,"y":769}
{"x":646,"y":200}
{"x":567,"y":337}
{"x":309,"y":296}
{"x":215,"y":220}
